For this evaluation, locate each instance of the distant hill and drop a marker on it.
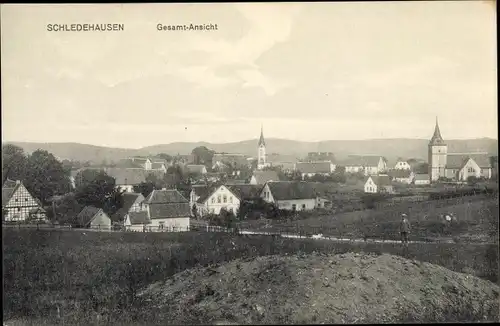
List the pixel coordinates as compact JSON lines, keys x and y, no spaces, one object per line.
{"x":390,"y":148}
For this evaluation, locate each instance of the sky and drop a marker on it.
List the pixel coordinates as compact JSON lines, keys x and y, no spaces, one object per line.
{"x":303,"y":71}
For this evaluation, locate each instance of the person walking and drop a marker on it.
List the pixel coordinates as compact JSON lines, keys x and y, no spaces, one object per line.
{"x":404,"y":229}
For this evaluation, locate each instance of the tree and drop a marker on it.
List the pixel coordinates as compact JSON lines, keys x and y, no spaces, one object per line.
{"x":14,"y":163}
{"x":421,"y":168}
{"x":67,"y":209}
{"x":144,"y":188}
{"x":46,"y":176}
{"x":165,"y":157}
{"x":195,"y":211}
{"x":101,"y":192}
{"x":203,"y":155}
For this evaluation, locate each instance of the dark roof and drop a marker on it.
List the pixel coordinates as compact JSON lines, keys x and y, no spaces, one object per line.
{"x":128,"y":163}
{"x":170,"y":210}
{"x":246,"y":191}
{"x":380,"y":180}
{"x":87,"y":214}
{"x":165,"y":197}
{"x":157,"y":166}
{"x":288,"y":190}
{"x":140,"y":160}
{"x":264,"y":176}
{"x":129,"y":198}
{"x":399,"y":173}
{"x":482,"y":160}
{"x":314,"y":167}
{"x":421,"y":177}
{"x":436,"y":137}
{"x":204,"y":192}
{"x":8,"y":189}
{"x":457,"y":161}
{"x":235,"y":182}
{"x":139,"y":217}
{"x":362,"y":160}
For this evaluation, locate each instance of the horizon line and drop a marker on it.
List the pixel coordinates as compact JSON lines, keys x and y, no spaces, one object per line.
{"x":238,"y":141}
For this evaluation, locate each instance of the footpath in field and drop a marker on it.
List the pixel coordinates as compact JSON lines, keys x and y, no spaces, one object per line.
{"x":342,"y":288}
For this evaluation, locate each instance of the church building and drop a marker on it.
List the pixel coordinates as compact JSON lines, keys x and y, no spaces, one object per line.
{"x":261,"y":158}
{"x":455,"y":166}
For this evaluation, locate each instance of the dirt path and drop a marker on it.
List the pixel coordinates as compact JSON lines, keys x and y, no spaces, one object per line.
{"x":345,"y":288}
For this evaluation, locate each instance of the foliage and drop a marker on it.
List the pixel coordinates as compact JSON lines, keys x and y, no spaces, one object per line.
{"x":66,"y":209}
{"x":145,"y":188}
{"x":421,"y":168}
{"x":203,"y":155}
{"x":14,"y":163}
{"x":100,"y":192}
{"x":165,"y":157}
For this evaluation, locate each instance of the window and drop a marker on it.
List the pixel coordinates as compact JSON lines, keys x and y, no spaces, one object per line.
{"x":17,"y":199}
{"x":303,"y":206}
{"x":294,"y":207}
{"x":225,"y":199}
{"x":161,"y":225}
{"x":213,"y":200}
{"x":19,"y":208}
{"x":471,"y":170}
{"x":218,"y":199}
{"x":231,"y":199}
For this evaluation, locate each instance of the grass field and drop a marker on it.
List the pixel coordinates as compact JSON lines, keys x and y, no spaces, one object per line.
{"x":91,"y":273}
{"x":477,"y":221}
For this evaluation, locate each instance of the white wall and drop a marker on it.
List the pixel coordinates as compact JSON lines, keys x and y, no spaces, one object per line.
{"x":215,"y":202}
{"x":20,"y":204}
{"x":353,"y":169}
{"x":370,"y":186}
{"x":309,"y":204}
{"x":422,"y":182}
{"x":266,"y":194}
{"x":180,"y":223}
{"x":470,"y":169}
{"x":126,"y":188}
{"x":402,"y":165}
{"x":101,"y":221}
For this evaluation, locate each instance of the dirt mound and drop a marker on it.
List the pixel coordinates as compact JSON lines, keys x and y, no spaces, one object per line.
{"x":345,"y":288}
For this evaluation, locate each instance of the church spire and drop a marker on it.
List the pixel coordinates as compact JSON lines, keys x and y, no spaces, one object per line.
{"x":436,"y":138}
{"x":261,"y":140}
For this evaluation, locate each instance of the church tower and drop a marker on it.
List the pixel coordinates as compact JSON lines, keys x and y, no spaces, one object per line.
{"x":437,"y":155}
{"x":261,"y":162}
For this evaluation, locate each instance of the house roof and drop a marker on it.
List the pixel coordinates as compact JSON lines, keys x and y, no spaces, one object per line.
{"x":128,"y":163}
{"x":457,"y":161}
{"x":314,"y":167}
{"x":8,"y":189}
{"x":235,"y":182}
{"x":139,"y":218}
{"x":289,"y":190}
{"x":204,"y":192}
{"x":196,"y":168}
{"x":37,"y":210}
{"x":140,"y":160}
{"x":399,"y":173}
{"x":380,"y":180}
{"x":246,"y":191}
{"x":421,"y":177}
{"x":264,"y":176}
{"x":362,"y":160}
{"x":131,"y":176}
{"x":170,"y":210}
{"x":482,"y":160}
{"x":129,"y":198}
{"x":87,"y":215}
{"x":167,"y":196}
{"x":157,"y":165}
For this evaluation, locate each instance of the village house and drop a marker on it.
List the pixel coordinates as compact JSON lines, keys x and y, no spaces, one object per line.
{"x":133,"y":213}
{"x":421,"y":179}
{"x":320,"y":156}
{"x":402,"y":165}
{"x":197,"y":169}
{"x":368,"y":164}
{"x":144,"y":162}
{"x":159,"y":166}
{"x":401,"y":175}
{"x":292,"y":195}
{"x":94,"y":218}
{"x":310,"y":169}
{"x":211,"y":199}
{"x":19,"y":204}
{"x":168,"y":210}
{"x":378,"y":184}
{"x":126,"y":179}
{"x":261,"y":177}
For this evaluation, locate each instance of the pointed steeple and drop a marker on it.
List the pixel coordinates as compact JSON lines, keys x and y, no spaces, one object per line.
{"x":436,"y":138}
{"x":261,"y":140}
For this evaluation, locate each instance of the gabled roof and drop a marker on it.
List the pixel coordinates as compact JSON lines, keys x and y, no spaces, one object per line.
{"x":482,"y":160}
{"x":87,"y":215}
{"x":314,"y":167}
{"x":265,"y":176}
{"x":421,"y":177}
{"x":380,"y":180}
{"x":140,"y":160}
{"x":167,"y":196}
{"x":139,"y":218}
{"x":157,"y":165}
{"x":128,"y":163}
{"x":8,"y":190}
{"x":399,"y":173}
{"x":131,"y":176}
{"x":246,"y":191}
{"x":436,"y":137}
{"x":457,"y":161}
{"x":196,"y":168}
{"x":362,"y":160}
{"x":204,"y":192}
{"x":290,"y":190}
{"x":235,"y":182}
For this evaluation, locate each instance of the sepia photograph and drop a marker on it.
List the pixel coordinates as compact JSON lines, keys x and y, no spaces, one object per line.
{"x":265,"y":163}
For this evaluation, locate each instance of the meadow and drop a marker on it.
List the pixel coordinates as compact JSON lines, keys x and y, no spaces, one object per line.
{"x":84,"y":275}
{"x":476,"y":221}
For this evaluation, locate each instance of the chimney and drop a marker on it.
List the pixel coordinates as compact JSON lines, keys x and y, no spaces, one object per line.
{"x":18,"y":182}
